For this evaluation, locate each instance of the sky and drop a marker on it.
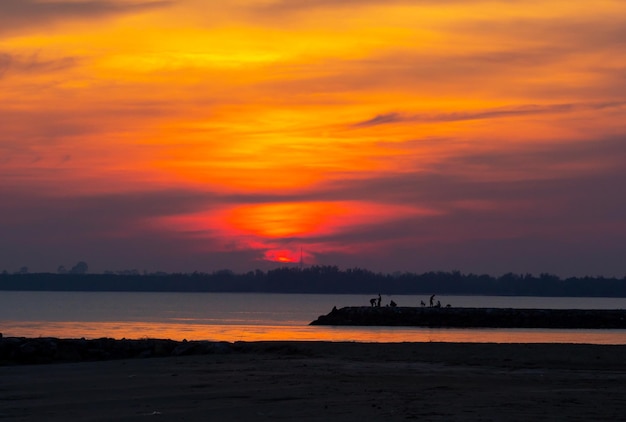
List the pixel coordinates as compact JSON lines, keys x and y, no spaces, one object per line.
{"x":199,"y":135}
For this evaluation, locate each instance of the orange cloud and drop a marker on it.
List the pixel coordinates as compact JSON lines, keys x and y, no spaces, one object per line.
{"x":295,"y":224}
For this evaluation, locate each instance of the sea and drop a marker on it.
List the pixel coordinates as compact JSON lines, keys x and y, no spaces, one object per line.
{"x":266,"y":317}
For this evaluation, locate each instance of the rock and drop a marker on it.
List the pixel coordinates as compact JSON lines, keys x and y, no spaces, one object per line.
{"x":186,"y":348}
{"x":20,"y":350}
{"x":475,"y":317}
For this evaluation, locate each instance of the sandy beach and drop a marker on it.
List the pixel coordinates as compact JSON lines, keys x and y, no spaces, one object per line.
{"x":317,"y":381}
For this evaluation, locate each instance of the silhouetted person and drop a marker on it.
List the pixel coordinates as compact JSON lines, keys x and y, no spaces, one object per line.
{"x":373,"y":301}
{"x":393,"y":304}
{"x":432,"y":298}
{"x":378,"y":301}
{"x":438,"y":304}
{"x":422,"y":304}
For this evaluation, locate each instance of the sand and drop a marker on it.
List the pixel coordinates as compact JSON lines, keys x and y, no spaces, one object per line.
{"x":316,"y":381}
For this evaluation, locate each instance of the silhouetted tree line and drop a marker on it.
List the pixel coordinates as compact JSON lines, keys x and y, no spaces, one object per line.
{"x":321,"y":279}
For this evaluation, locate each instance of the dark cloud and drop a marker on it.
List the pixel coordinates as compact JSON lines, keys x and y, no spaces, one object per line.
{"x":117,"y":231}
{"x":468,"y":174}
{"x":34,"y":63}
{"x":282,"y":7}
{"x":567,"y":226}
{"x":108,"y":208}
{"x":591,"y":34}
{"x":570,"y":223}
{"x":523,"y":110}
{"x":47,"y":127}
{"x":382,"y":119}
{"x":17,"y":14}
{"x":5,"y":62}
{"x":528,"y":224}
{"x":558,"y":225}
{"x":492,"y":242}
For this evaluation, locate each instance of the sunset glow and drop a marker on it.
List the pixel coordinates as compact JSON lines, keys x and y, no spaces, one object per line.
{"x":284,"y":256}
{"x":196,"y":135}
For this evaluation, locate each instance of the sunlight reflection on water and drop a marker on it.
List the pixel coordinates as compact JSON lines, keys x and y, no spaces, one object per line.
{"x":69,"y":329}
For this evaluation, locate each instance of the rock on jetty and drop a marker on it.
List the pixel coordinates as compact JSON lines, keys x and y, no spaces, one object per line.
{"x":474,"y":317}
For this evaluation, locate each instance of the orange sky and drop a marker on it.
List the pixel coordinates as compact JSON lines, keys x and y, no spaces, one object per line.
{"x":197,"y":135}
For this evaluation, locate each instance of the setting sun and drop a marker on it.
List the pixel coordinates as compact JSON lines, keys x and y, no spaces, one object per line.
{"x":284,"y":256}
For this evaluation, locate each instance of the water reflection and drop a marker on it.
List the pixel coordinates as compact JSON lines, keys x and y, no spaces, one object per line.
{"x":230,"y":332}
{"x":262,"y":316}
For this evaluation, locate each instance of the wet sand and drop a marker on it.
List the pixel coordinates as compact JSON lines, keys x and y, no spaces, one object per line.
{"x":317,"y":381}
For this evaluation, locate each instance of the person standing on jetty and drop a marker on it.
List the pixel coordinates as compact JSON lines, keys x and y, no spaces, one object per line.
{"x":376,"y":302}
{"x":432,"y":298}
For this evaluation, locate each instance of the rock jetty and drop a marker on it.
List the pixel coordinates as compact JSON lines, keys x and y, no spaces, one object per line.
{"x":474,"y":317}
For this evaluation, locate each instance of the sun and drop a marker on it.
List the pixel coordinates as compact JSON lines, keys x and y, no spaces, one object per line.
{"x":284,"y":256}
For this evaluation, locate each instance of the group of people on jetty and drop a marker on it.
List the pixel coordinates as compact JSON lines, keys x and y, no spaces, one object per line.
{"x":375,"y":302}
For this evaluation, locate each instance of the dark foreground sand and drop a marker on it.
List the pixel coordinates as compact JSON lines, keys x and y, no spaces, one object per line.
{"x":313,"y":381}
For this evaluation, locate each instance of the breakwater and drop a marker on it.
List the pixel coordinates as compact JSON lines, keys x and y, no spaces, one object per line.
{"x":475,"y":317}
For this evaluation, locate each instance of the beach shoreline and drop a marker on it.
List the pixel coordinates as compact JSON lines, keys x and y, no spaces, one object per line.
{"x":315,"y":381}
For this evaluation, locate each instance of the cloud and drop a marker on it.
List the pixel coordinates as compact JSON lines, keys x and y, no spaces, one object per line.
{"x":522,"y":110}
{"x":382,"y":119}
{"x":5,"y":62}
{"x":593,"y":32}
{"x":521,"y":72}
{"x":490,"y":224}
{"x":282,"y":7}
{"x":109,"y":208}
{"x":19,"y":14}
{"x":33,"y":63}
{"x":485,"y":224}
{"x":576,"y":184}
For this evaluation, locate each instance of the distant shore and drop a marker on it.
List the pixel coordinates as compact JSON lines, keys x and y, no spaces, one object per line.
{"x":319,"y":280}
{"x":321,"y":381}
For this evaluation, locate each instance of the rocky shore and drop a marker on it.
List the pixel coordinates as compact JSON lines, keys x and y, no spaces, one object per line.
{"x":475,"y":317}
{"x":22,"y":350}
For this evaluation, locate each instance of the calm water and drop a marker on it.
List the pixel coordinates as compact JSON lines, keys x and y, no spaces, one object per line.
{"x":252,"y":316}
